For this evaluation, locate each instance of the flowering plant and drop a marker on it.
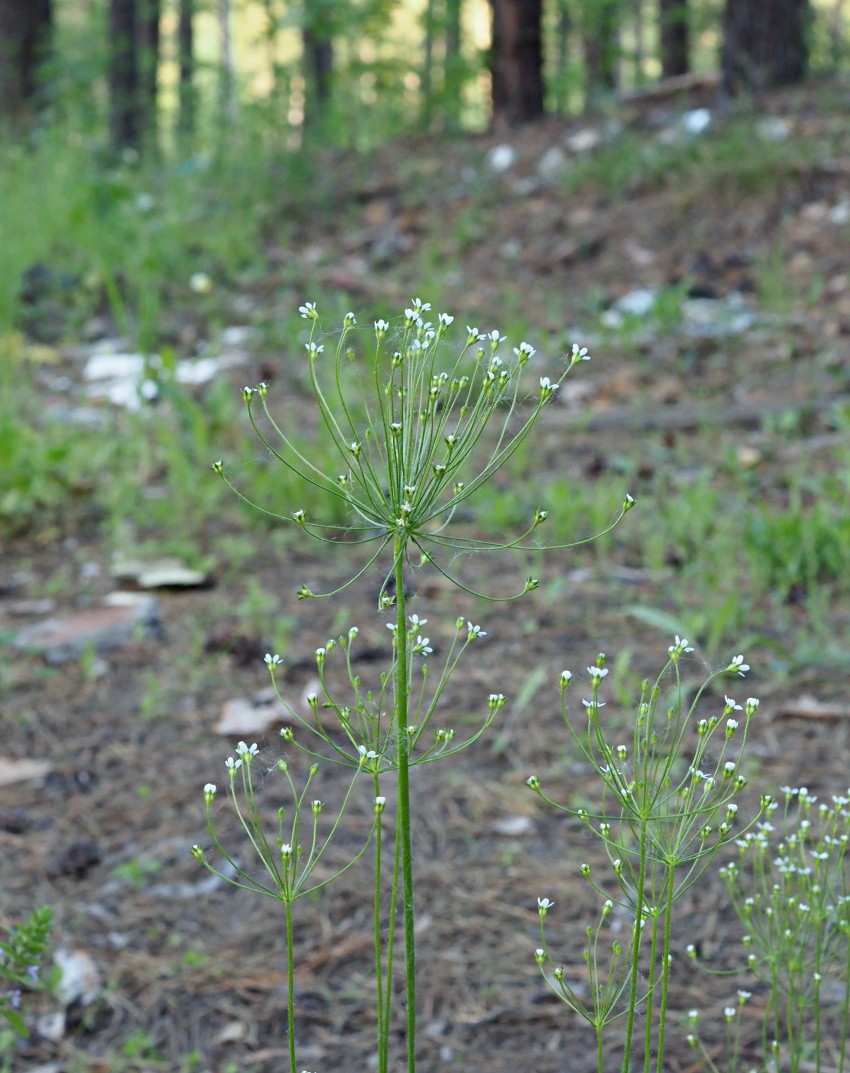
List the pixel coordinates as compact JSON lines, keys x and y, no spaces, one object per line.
{"x":414,"y":436}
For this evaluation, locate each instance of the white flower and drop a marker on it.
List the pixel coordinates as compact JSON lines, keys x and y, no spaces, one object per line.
{"x":731,"y":706}
{"x":423,"y":645}
{"x":416,"y":621}
{"x":679,"y":646}
{"x":579,"y":353}
{"x":247,"y":751}
{"x":313,"y":350}
{"x":381,"y":328}
{"x":474,"y":631}
{"x":544,"y":905}
{"x":272,"y":661}
{"x":738,"y":666}
{"x":308,"y":311}
{"x":546,"y":385}
{"x":597,"y":673}
{"x":210,"y":789}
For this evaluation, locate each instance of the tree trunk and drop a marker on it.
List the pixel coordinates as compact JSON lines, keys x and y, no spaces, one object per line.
{"x":454,"y":72}
{"x":675,"y":37}
{"x":764,"y":43}
{"x":516,"y":62}
{"x":186,"y":63}
{"x":318,"y":74}
{"x":25,"y":35}
{"x":147,"y":36}
{"x":227,"y":76}
{"x":600,"y":30}
{"x":125,"y":123}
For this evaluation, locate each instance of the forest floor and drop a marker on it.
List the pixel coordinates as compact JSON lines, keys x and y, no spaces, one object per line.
{"x":186,"y":974}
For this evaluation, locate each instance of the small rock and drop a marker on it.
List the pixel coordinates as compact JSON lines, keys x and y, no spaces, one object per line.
{"x":513,"y":826}
{"x":80,"y":979}
{"x":552,"y":164}
{"x":25,"y":608}
{"x":840,"y":213}
{"x":773,"y":129}
{"x":706,"y":318}
{"x":13,"y":770}
{"x":637,"y":303}
{"x":114,"y":624}
{"x":166,"y":573}
{"x":583,"y":141}
{"x":696,"y":121}
{"x":242,"y":716}
{"x":501,"y":157}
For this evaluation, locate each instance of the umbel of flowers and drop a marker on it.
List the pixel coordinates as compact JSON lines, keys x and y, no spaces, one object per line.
{"x":413,"y":434}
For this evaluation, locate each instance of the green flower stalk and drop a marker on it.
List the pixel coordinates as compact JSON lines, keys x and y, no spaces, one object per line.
{"x":414,"y":435}
{"x":288,"y":860}
{"x":789,"y":889}
{"x":662,"y":820}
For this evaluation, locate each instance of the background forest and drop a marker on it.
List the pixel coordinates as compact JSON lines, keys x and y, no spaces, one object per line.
{"x":666,"y":182}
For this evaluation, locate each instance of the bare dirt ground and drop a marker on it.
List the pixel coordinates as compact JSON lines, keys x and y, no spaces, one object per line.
{"x":189,"y":974}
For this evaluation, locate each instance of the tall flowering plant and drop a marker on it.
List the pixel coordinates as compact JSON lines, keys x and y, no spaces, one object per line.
{"x":414,"y":435}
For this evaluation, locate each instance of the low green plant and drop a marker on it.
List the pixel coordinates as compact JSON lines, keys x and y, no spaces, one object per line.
{"x":21,"y":956}
{"x":415,"y":436}
{"x":666,"y":808}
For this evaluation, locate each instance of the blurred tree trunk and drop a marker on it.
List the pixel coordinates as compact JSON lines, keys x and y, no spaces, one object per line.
{"x":442,"y":64}
{"x":454,"y":72}
{"x":25,"y":35}
{"x":427,"y":84}
{"x":516,"y":62}
{"x":125,"y":123}
{"x":764,"y":43}
{"x":600,"y":32}
{"x":186,"y":64}
{"x":317,"y":43}
{"x":227,"y":80}
{"x":675,"y":37}
{"x":147,"y":36}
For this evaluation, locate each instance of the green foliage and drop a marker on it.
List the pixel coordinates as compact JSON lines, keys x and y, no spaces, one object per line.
{"x":796,"y":550}
{"x":21,"y":955}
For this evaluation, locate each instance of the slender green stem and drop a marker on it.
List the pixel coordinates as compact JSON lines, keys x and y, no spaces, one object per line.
{"x":845,"y":1015}
{"x":665,"y":967}
{"x":290,"y":987}
{"x":650,"y":995}
{"x":403,"y":820}
{"x":379,"y":974}
{"x":635,"y":969}
{"x":388,"y":990}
